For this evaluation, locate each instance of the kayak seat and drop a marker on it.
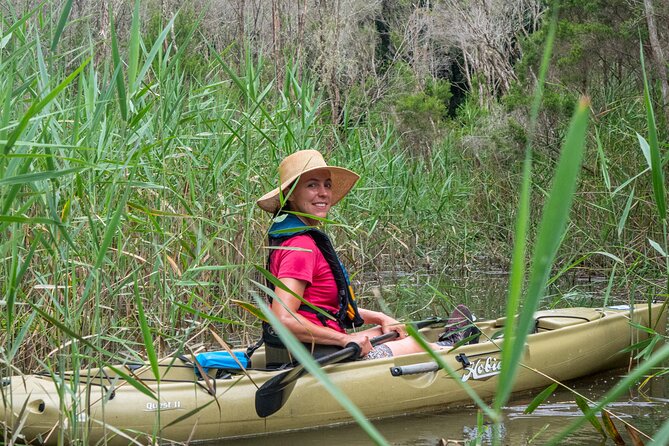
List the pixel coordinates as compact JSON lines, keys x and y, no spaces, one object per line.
{"x":549,"y":320}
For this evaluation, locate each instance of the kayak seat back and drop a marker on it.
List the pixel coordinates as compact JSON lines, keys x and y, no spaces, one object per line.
{"x":549,"y":320}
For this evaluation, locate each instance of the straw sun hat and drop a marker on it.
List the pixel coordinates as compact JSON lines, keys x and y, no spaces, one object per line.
{"x":300,"y":163}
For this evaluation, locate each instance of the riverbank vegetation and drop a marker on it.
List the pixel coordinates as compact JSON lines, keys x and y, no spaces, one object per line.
{"x":136,"y":137}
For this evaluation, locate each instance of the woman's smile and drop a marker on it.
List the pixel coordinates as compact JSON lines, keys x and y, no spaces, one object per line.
{"x":312,"y":195}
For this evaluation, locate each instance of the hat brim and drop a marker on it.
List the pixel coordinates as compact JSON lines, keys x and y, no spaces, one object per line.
{"x":343,"y":181}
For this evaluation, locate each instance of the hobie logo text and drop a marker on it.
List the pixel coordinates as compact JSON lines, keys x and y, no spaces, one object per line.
{"x":482,"y":368}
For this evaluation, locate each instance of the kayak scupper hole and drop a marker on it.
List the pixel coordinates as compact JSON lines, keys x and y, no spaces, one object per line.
{"x":37,"y":406}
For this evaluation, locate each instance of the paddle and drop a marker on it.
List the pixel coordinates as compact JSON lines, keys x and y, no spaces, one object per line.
{"x":272,"y":395}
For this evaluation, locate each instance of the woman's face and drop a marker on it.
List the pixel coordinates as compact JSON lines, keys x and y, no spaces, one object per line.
{"x":312,"y":195}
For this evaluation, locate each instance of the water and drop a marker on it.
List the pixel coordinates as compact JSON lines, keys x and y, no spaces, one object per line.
{"x":486,"y":295}
{"x":459,"y":425}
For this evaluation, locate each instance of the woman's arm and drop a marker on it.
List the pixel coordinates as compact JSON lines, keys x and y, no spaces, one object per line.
{"x":384,"y":321}
{"x":285,"y":307}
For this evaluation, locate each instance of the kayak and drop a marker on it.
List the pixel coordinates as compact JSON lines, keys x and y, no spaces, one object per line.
{"x":126,"y":404}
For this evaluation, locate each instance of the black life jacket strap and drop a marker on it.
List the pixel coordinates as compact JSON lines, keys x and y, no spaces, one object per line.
{"x":321,"y":317}
{"x":253,"y":347}
{"x":347,"y":316}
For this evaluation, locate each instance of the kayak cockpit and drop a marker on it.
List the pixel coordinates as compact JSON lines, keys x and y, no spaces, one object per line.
{"x":549,"y":320}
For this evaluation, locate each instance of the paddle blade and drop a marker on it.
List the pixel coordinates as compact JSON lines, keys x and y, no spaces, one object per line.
{"x":272,"y":395}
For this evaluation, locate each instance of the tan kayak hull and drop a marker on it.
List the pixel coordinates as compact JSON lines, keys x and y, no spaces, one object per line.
{"x":569,"y":343}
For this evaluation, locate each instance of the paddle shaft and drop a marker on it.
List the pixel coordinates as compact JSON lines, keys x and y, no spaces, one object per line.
{"x":353,"y":349}
{"x":272,"y":395}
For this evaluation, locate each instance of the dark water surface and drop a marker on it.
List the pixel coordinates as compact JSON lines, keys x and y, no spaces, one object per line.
{"x":459,"y":425}
{"x":486,"y":296}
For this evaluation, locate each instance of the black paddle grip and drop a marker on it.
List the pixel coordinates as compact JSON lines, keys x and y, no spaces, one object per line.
{"x":355,"y":349}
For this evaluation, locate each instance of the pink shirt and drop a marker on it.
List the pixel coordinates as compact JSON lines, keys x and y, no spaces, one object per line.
{"x":308,"y":264}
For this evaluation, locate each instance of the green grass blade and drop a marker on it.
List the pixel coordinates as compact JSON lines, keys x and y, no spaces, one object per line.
{"x":67,"y":7}
{"x":548,"y":391}
{"x":43,"y":79}
{"x":603,"y":161}
{"x":27,"y":220}
{"x":661,"y":437}
{"x":252,"y":309}
{"x":185,"y":44}
{"x":279,"y":284}
{"x":152,"y":54}
{"x":310,"y":364}
{"x":12,"y":280}
{"x":33,"y":177}
{"x":190,"y":414}
{"x":517,"y":277}
{"x":585,"y":409}
{"x":14,"y":190}
{"x":657,"y":247}
{"x":655,"y":159}
{"x":238,"y":81}
{"x":550,"y":232}
{"x":37,"y":106}
{"x":626,"y":212}
{"x":18,"y":340}
{"x":645,"y":149}
{"x":111,"y":228}
{"x":133,"y":48}
{"x":110,"y":232}
{"x":7,"y":109}
{"x":146,"y":335}
{"x":19,"y":23}
{"x":16,"y":275}
{"x":205,"y":316}
{"x":118,"y":70}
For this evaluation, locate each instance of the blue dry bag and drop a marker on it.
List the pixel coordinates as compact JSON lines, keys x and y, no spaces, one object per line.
{"x":223,"y":360}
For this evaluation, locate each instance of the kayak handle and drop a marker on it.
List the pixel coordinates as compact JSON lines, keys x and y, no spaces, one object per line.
{"x":414,"y":369}
{"x":425,"y":367}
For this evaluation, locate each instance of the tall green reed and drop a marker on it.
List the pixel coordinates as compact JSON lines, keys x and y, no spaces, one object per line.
{"x":651,"y":150}
{"x":133,"y":184}
{"x":514,"y":344}
{"x":652,"y":359}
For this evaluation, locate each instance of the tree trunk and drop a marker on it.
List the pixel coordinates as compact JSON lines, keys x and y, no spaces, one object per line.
{"x":276,"y":44}
{"x":658,"y":56}
{"x":301,"y":20}
{"x":241,"y":29}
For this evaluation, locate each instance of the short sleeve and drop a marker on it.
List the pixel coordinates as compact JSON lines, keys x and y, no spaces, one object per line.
{"x":296,"y":259}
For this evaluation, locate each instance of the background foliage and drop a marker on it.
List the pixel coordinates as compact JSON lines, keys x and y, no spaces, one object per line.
{"x":137,"y":135}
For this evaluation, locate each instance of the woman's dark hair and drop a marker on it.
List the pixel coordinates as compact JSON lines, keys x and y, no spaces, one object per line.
{"x":286,"y":208}
{"x":286,"y":205}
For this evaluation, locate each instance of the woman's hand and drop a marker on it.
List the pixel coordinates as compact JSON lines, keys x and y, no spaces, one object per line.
{"x":386,"y":323}
{"x":362,"y":340}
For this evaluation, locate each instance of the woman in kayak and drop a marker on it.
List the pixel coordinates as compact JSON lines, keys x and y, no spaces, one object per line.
{"x":316,"y":302}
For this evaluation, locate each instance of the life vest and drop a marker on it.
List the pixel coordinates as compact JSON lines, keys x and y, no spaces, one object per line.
{"x":348,"y":315}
